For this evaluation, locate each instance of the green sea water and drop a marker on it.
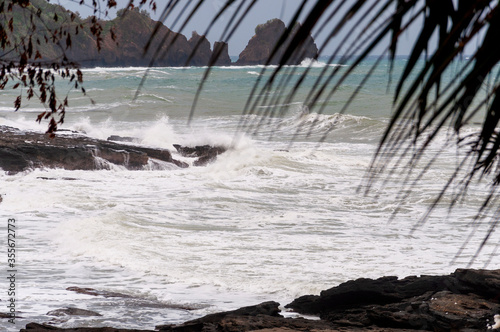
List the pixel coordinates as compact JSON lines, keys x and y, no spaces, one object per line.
{"x":275,"y":217}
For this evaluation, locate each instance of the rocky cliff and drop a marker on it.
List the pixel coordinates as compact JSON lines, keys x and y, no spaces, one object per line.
{"x":132,"y":32}
{"x":121,"y":43}
{"x":263,"y":43}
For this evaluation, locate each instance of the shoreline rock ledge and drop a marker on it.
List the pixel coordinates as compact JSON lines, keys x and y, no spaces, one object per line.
{"x":23,"y":150}
{"x":466,"y":300}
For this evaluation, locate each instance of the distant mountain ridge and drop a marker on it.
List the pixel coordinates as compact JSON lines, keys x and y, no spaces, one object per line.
{"x":123,"y":40}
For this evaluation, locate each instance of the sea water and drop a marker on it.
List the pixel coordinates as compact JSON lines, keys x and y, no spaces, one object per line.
{"x":277,"y":216}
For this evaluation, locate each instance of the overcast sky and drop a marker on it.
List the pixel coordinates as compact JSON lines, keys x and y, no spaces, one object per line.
{"x":263,"y":11}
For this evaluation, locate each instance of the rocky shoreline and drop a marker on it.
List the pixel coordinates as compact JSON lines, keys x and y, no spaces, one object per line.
{"x":466,"y":300}
{"x":22,"y":151}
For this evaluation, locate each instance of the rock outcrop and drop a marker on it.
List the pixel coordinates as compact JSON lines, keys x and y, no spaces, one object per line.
{"x":267,"y":36}
{"x":34,"y":327}
{"x":132,"y":32}
{"x":72,"y":312}
{"x":466,"y":300}
{"x":201,"y":46}
{"x":221,"y":51}
{"x":21,"y":151}
{"x":134,"y":39}
{"x":253,"y":318}
{"x":204,"y":154}
{"x":122,"y":41}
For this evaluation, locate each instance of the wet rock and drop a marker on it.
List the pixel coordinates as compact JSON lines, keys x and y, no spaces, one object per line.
{"x":117,"y":138}
{"x":95,"y":292}
{"x":205,"y":154}
{"x":62,"y":178}
{"x":73,"y":312}
{"x":466,"y":299}
{"x":35,"y":327}
{"x":137,"y":300}
{"x":21,"y":151}
{"x":485,"y":283}
{"x":4,"y":315}
{"x":253,"y":318}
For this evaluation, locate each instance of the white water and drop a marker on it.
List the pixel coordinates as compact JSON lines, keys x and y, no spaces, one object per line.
{"x":266,"y":221}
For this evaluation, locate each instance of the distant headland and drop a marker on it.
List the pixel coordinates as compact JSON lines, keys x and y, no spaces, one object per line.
{"x":123,"y":40}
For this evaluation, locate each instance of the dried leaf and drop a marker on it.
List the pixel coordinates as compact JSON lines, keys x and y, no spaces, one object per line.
{"x":68,"y":41}
{"x":17,"y":103}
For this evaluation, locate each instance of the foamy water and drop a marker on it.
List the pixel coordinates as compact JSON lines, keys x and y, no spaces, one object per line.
{"x":269,"y":220}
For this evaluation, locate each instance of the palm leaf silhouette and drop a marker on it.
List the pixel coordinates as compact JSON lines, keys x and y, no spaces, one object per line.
{"x":424,"y":104}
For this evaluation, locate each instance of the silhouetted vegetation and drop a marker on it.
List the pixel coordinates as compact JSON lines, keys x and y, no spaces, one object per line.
{"x":425,"y":105}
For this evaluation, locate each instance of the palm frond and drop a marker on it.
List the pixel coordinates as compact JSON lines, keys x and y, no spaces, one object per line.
{"x":424,"y":104}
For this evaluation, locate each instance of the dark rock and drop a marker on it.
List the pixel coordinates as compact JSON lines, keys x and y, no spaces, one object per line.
{"x":221,"y":51}
{"x":205,"y":154}
{"x":368,"y":291}
{"x":21,"y":151}
{"x":63,"y":178}
{"x":258,"y":317}
{"x":73,"y":312}
{"x":137,"y":300}
{"x":94,"y":292}
{"x":263,"y":43}
{"x":139,"y":41}
{"x":201,"y":46}
{"x":117,"y":138}
{"x":34,"y":327}
{"x":7,"y":315}
{"x":466,"y":299}
{"x":133,"y":31}
{"x":457,"y":311}
{"x":485,"y":283}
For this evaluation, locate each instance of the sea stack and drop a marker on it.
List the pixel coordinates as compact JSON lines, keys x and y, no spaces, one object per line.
{"x":202,"y":46}
{"x":222,"y":53}
{"x":262,"y":44}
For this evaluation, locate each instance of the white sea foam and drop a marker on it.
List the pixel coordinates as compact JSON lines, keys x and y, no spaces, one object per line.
{"x":268,"y":220}
{"x":496,"y":319}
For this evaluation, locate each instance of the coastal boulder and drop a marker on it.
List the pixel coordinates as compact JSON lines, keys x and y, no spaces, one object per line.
{"x":262,"y":44}
{"x":466,"y":299}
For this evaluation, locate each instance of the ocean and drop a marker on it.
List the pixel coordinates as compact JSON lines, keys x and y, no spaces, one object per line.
{"x":277,"y":216}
